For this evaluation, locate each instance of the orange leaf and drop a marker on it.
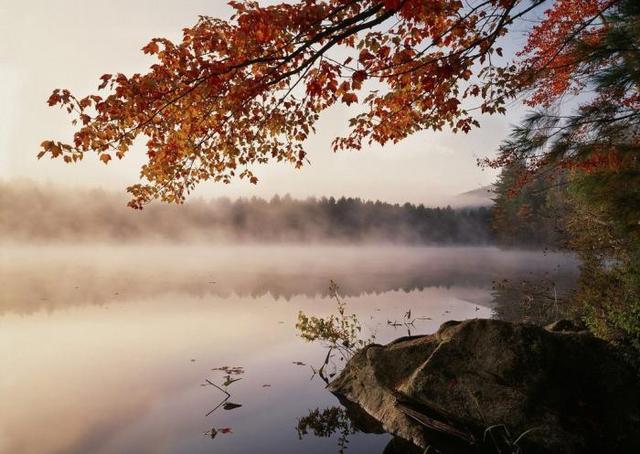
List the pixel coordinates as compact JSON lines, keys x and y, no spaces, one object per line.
{"x":151,"y":48}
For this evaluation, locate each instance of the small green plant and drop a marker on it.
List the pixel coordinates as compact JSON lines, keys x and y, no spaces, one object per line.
{"x":341,"y":331}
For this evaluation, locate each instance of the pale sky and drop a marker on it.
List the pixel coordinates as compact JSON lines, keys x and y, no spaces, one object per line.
{"x":47,"y":44}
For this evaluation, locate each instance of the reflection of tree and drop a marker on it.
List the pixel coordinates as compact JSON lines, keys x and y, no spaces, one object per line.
{"x":326,"y":423}
{"x":28,"y":286}
{"x":537,"y":300}
{"x":345,"y":421}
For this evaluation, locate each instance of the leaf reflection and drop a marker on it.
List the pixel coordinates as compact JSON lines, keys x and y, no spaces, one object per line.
{"x":345,"y":421}
{"x":326,"y":423}
{"x":229,"y":372}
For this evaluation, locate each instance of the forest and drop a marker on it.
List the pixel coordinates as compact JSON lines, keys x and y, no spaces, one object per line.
{"x":31,"y":212}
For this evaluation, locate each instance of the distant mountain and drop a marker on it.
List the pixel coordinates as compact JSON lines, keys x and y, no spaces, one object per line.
{"x":476,"y":197}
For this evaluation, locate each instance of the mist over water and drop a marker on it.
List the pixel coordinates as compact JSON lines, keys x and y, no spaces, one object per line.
{"x":114,"y":343}
{"x":37,"y":213}
{"x":112,"y":320}
{"x":57,"y":276}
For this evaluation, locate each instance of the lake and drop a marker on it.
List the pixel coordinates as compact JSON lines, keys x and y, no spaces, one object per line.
{"x":127,"y":349}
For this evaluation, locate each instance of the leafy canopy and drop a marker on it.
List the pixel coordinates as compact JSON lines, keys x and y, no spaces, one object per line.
{"x":241,"y":92}
{"x":245,"y":91}
{"x":586,"y":156}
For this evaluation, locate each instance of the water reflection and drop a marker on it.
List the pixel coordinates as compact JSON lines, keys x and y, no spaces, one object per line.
{"x":540,"y":299}
{"x":109,"y":345}
{"x":51,"y":278}
{"x":342,"y":422}
{"x":328,"y":423}
{"x":231,"y":375}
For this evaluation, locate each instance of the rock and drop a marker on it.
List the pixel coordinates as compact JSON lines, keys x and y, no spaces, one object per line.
{"x":564,"y":390}
{"x":364,"y":422}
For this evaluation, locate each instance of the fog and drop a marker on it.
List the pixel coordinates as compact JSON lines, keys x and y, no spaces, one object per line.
{"x":111,"y":319}
{"x":54,"y":277}
{"x":37,"y":213}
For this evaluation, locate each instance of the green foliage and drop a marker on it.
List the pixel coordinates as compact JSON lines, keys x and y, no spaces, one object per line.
{"x":608,"y":245}
{"x":341,"y":331}
{"x":529,"y":212}
{"x":612,"y":304}
{"x":595,"y":220}
{"x":609,"y":290}
{"x":593,"y":152}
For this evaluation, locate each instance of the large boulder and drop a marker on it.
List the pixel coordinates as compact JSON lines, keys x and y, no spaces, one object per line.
{"x":497,"y":386}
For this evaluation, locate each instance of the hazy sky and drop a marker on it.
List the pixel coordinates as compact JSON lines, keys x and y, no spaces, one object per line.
{"x":46,"y":44}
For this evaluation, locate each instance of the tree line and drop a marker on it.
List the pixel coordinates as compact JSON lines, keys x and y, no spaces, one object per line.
{"x":31,"y":212}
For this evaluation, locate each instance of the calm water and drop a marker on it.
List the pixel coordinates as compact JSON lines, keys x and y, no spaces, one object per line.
{"x":108,"y":349}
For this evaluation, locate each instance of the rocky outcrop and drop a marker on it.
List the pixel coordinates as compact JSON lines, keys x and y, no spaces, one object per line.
{"x":481,"y":384}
